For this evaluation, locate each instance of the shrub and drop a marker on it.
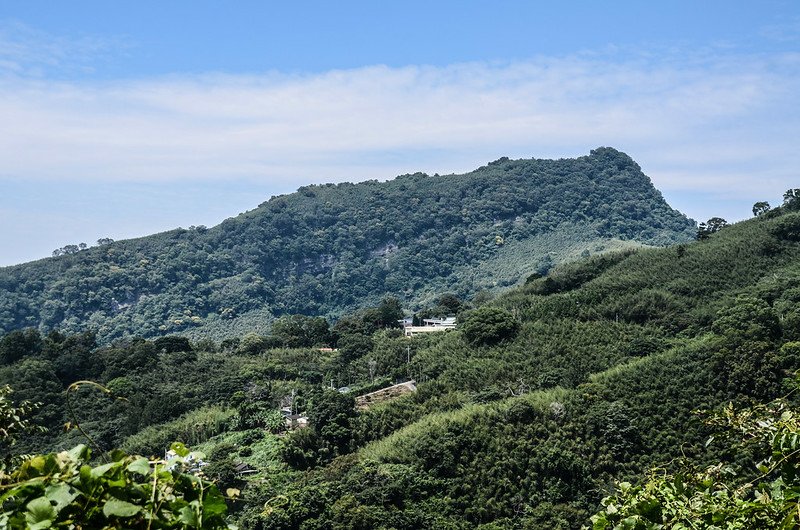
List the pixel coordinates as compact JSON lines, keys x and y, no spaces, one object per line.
{"x":490,"y":325}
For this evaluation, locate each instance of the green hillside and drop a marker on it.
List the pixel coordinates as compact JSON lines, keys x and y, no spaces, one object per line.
{"x":524,"y":417}
{"x":328,"y":249}
{"x":600,"y":383}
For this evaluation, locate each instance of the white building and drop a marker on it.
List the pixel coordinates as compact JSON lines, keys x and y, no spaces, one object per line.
{"x":430,"y":325}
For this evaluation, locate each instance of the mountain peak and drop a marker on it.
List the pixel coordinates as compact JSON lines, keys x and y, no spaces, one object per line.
{"x":330,"y":248}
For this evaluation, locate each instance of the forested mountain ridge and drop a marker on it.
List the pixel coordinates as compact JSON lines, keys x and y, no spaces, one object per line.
{"x":525,"y":416}
{"x":328,"y":248}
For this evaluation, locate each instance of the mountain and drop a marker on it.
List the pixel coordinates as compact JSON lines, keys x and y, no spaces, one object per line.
{"x":327,"y":249}
{"x":525,"y":416}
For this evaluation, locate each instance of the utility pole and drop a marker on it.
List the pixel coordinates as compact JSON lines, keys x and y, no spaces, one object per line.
{"x":408,"y":360}
{"x":372,"y":365}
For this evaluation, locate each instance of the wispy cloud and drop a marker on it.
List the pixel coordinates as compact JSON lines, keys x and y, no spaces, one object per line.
{"x":30,"y":52}
{"x":695,"y":123}
{"x":787,"y":31}
{"x":712,"y":127}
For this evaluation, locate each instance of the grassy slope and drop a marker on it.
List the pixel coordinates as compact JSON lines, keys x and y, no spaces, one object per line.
{"x":544,"y":459}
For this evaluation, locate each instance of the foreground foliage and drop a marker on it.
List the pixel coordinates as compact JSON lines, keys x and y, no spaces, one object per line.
{"x":68,"y":490}
{"x":719,"y":496}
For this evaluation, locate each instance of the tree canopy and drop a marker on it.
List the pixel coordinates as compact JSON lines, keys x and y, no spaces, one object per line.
{"x":330,"y":249}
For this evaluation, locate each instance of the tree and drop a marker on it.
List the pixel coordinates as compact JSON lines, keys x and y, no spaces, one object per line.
{"x":354,"y":346}
{"x":450,"y":303}
{"x":331,"y":416}
{"x":747,"y":359}
{"x":715,"y":224}
{"x":788,"y":227}
{"x":172,"y":344}
{"x":350,"y":325}
{"x":489,"y":325}
{"x":252,"y":344}
{"x":747,"y":319}
{"x":72,"y":356}
{"x":760,"y":208}
{"x":301,"y":331}
{"x":301,"y":449}
{"x":19,"y":344}
{"x":385,"y":315}
{"x":790,"y":198}
{"x":123,"y":358}
{"x":13,"y":419}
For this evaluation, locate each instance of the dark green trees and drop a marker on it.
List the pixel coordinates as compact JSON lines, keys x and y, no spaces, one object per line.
{"x":19,"y":344}
{"x":788,"y":227}
{"x":385,"y":315}
{"x":489,"y":325}
{"x":760,"y":208}
{"x":327,"y":250}
{"x":790,"y":198}
{"x":746,"y":356}
{"x":331,"y":416}
{"x":300,"y":331}
{"x":172,"y":344}
{"x":329,"y":433}
{"x":715,"y":224}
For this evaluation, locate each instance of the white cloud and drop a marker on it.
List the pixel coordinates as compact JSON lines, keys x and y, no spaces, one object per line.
{"x":708,"y":124}
{"x":710,"y":113}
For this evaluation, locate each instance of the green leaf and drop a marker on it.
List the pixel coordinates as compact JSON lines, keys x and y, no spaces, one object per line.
{"x":629,"y":523}
{"x":38,"y":463}
{"x":189,"y":516}
{"x":118,"y":508}
{"x":40,"y":514}
{"x":117,"y":455}
{"x":85,"y":474}
{"x":99,"y":471}
{"x":179,"y":448}
{"x":61,"y":494}
{"x":79,"y":453}
{"x":214,"y":503}
{"x":140,"y":465}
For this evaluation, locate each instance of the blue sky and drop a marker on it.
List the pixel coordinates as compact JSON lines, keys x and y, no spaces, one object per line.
{"x":119,"y":120}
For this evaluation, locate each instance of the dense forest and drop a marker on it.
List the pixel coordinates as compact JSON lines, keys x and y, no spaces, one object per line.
{"x":327,"y":250}
{"x":598,"y":393}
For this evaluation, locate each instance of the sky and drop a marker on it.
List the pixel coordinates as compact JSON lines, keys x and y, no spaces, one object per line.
{"x":124,"y":119}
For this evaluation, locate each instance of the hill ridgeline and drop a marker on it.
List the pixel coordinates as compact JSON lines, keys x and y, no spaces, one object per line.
{"x":330,"y":248}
